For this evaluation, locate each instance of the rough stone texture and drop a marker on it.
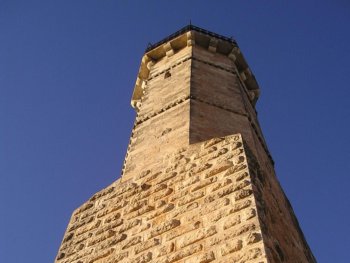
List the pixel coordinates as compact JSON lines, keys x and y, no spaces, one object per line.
{"x":194,"y":209}
{"x":198,"y":183}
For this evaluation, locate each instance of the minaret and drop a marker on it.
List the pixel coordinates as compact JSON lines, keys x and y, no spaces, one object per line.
{"x":198,"y":182}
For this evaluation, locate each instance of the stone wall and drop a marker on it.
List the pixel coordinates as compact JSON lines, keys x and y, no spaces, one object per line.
{"x":197,"y":207}
{"x":162,"y":122}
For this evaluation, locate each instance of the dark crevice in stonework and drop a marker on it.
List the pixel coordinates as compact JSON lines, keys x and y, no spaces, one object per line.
{"x":279,"y":252}
{"x":167,"y":75}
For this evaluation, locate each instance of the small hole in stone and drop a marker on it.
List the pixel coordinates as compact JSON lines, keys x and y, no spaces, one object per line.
{"x":167,"y":75}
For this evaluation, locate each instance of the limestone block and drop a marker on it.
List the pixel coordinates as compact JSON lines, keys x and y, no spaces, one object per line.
{"x":146,"y":245}
{"x":166,"y":226}
{"x":183,"y":253}
{"x":202,"y":258}
{"x":195,"y":236}
{"x":231,"y":247}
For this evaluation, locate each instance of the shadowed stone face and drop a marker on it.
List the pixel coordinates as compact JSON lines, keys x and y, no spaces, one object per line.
{"x":198,"y":183}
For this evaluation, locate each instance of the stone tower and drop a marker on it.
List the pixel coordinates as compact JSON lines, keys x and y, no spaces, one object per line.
{"x":198,"y":182}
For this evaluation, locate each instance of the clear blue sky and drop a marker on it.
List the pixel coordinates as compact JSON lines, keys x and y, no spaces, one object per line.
{"x":67,"y":70}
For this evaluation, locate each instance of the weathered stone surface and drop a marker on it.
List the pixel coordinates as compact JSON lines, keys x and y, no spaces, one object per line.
{"x":232,"y":221}
{"x":146,"y":245}
{"x":143,"y":258}
{"x":196,"y":236}
{"x":205,"y":257}
{"x":231,"y":247}
{"x":172,"y":226}
{"x":183,"y":253}
{"x":164,"y":227}
{"x":253,"y":238}
{"x":198,"y":183}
